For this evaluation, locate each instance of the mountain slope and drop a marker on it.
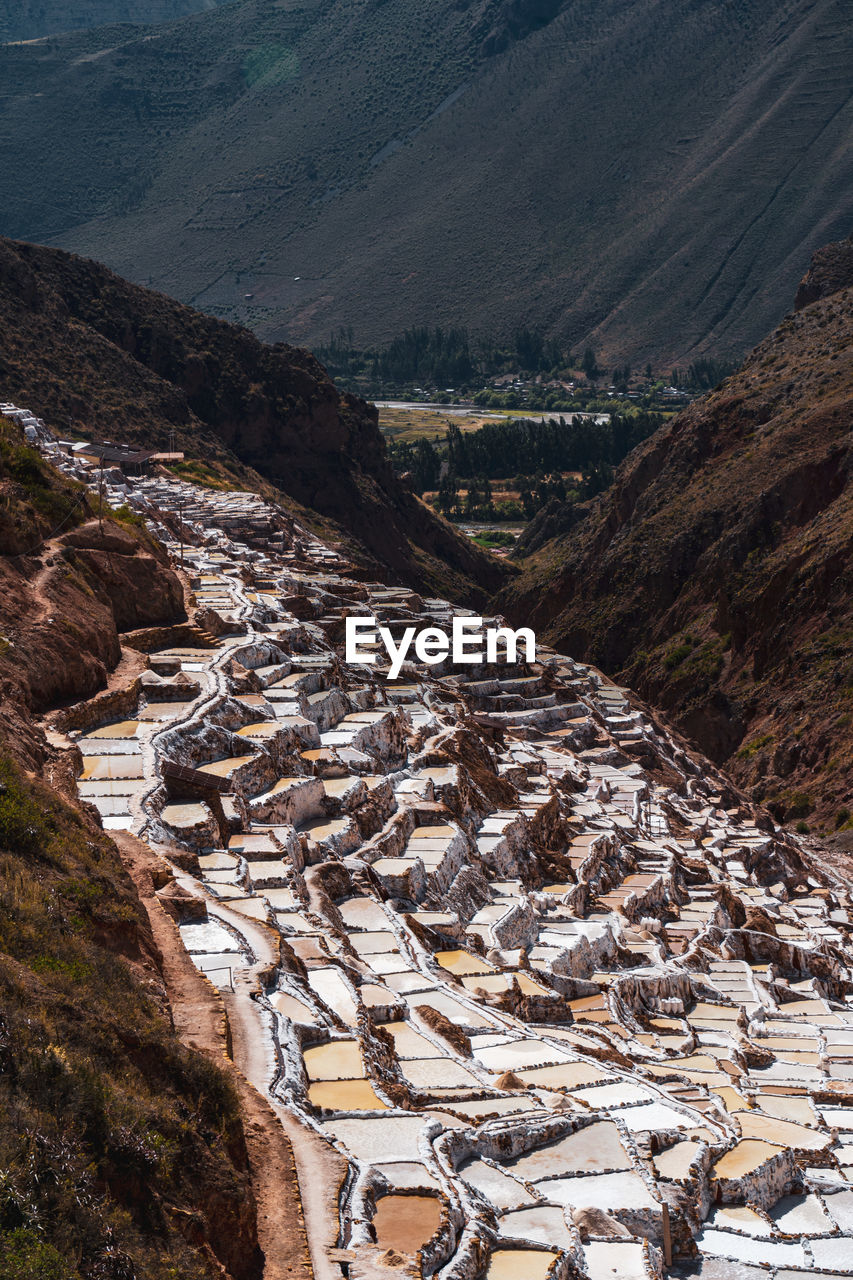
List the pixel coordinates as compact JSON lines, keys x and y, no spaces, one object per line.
{"x":96,"y":355}
{"x":35,"y":19}
{"x":485,"y":162}
{"x":715,"y":575}
{"x":124,"y":1154}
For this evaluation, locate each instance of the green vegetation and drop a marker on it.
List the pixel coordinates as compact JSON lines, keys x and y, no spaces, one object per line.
{"x":702,"y":375}
{"x":202,"y":473}
{"x":106,"y":1123}
{"x":791,"y":805}
{"x":494,"y":538}
{"x":52,"y":499}
{"x":675,"y":656}
{"x":752,"y":748}
{"x":529,"y":373}
{"x":126,"y":515}
{"x":530,"y":462}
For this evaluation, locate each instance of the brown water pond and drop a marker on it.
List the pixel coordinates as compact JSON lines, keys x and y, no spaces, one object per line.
{"x":406,"y":1223}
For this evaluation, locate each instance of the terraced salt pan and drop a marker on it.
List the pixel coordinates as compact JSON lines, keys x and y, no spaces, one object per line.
{"x":568,"y":1075}
{"x":321,"y":828}
{"x":597,"y":1146}
{"x":121,"y":729}
{"x":207,"y":935}
{"x":744,"y":1158}
{"x":293,"y":922}
{"x":409,"y":1043}
{"x":453,"y":1010}
{"x":618,"y":808}
{"x":345,"y":1095}
{"x":518,"y":1054}
{"x":111,"y":767}
{"x":220,"y":967}
{"x":499,"y":1188}
{"x":406,"y":1222}
{"x":755,"y":1125}
{"x":543,"y":1224}
{"x":330,"y":986}
{"x":290,"y":1006}
{"x":188,"y":814}
{"x":616,"y":1260}
{"x":801,"y":1215}
{"x":337,"y":1060}
{"x":623,"y":1190}
{"x":520,"y":1264}
{"x":485,"y":1108}
{"x":373,"y":943}
{"x":438,"y":1075}
{"x":97,"y":788}
{"x":380,"y":1138}
{"x":406,"y":1175}
{"x":743,"y":1248}
{"x":675,"y":1162}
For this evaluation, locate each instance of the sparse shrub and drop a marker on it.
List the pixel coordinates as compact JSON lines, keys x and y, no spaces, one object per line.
{"x":800,"y":804}
{"x":676,"y":655}
{"x":752,"y":748}
{"x":25,"y":1256}
{"x":125,"y":515}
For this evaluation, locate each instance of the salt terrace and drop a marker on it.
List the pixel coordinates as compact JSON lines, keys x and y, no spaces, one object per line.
{"x":560,"y":999}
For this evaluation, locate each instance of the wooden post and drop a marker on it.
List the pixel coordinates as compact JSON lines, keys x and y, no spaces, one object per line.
{"x":667,"y":1236}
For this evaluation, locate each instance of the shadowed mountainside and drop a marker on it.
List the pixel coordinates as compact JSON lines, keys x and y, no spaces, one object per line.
{"x":715,"y":576}
{"x":35,"y":19}
{"x":97,"y":356}
{"x":300,"y":165}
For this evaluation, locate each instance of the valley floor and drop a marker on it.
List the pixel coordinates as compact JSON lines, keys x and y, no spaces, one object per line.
{"x":532,"y":990}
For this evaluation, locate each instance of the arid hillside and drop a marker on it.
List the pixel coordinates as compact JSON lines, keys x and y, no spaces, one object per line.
{"x":715,"y":575}
{"x":98,"y":357}
{"x":123,"y":1152}
{"x":645,"y":178}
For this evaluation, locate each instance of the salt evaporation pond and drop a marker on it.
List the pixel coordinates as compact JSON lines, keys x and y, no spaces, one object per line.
{"x":406,"y":1223}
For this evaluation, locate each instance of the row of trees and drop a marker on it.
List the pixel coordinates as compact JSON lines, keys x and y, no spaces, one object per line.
{"x":531,"y":458}
{"x":704,"y":374}
{"x":500,"y":449}
{"x":478,"y":502}
{"x":441,"y":358}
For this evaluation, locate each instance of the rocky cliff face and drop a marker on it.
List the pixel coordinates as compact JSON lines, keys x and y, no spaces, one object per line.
{"x":831,"y":269}
{"x":96,"y":355}
{"x":715,"y":575}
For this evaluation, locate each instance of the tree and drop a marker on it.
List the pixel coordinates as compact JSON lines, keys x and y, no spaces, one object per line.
{"x":590,"y":365}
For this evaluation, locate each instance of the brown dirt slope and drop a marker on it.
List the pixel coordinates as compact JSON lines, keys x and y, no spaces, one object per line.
{"x":715,"y":575}
{"x":97,"y":356}
{"x":123,"y":1153}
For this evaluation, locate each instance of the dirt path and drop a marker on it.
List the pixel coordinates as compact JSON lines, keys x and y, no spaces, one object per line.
{"x":321,"y":1170}
{"x":200,"y":1020}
